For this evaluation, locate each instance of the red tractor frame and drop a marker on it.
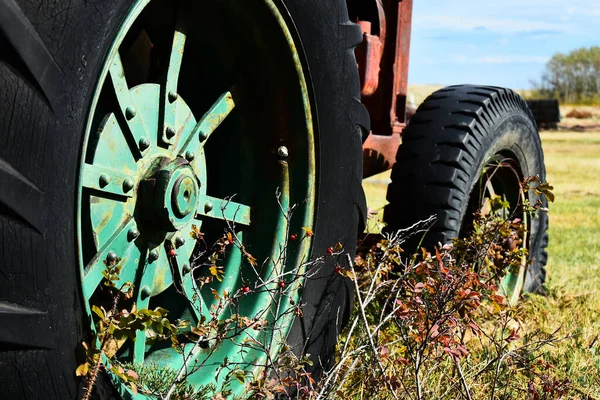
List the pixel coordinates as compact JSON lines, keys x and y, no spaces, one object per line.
{"x":383,"y":64}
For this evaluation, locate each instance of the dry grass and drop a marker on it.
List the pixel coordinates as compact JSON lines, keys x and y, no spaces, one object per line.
{"x":418,"y":93}
{"x":572,"y":116}
{"x":573,"y":301}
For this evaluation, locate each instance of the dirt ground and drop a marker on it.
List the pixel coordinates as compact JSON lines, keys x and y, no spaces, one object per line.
{"x":580,"y":124}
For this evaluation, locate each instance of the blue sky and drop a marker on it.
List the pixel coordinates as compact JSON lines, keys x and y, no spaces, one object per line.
{"x":496,"y":42}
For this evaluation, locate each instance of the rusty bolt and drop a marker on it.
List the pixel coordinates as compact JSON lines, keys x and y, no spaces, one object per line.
{"x":143,"y":143}
{"x":133,"y":234}
{"x":104,"y":180}
{"x":153,"y":255}
{"x":146,"y":291}
{"x":111,"y":257}
{"x":127,"y":185}
{"x":130,"y":113}
{"x":186,"y":269}
{"x":170,"y":132}
{"x":282,"y":152}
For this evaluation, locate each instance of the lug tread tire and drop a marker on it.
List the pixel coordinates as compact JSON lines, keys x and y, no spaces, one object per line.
{"x":51,"y":53}
{"x":443,"y":150}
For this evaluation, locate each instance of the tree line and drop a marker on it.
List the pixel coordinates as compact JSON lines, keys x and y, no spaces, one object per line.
{"x":571,"y":78}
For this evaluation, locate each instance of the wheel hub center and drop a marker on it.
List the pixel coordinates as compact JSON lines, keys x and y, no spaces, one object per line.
{"x":183,"y":196}
{"x":176,"y":195}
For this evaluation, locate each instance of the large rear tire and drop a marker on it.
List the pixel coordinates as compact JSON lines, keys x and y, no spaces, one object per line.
{"x":52,"y":55}
{"x":454,"y":136}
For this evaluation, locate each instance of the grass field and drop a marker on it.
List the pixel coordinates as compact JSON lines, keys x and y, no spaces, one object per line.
{"x":573,"y":301}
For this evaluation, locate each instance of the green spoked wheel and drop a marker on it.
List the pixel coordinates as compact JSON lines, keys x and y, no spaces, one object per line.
{"x":184,"y":137}
{"x":128,"y":124}
{"x":501,"y":179}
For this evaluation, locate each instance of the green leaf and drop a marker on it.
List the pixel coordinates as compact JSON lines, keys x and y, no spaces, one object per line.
{"x":239,"y":375}
{"x":83,"y":369}
{"x":99,"y":312}
{"x":545,"y":189}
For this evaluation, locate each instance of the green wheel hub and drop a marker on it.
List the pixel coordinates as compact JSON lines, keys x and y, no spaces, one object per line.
{"x":503,"y":178}
{"x":184,"y":134}
{"x":177,"y":194}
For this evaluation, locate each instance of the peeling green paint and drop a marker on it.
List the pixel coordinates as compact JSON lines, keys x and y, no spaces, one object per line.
{"x":144,"y":171}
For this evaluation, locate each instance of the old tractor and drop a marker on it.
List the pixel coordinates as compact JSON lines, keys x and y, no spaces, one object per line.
{"x":140,"y":138}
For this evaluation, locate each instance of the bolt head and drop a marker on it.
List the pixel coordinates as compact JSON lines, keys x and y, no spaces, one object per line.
{"x":146,"y":291}
{"x":153,"y":255}
{"x":202,"y":136}
{"x":208,"y":206}
{"x":173,"y":96}
{"x":189,"y":155}
{"x":133,"y":234}
{"x":282,"y":152}
{"x":111,"y":257}
{"x":104,"y":180}
{"x":130,"y":113}
{"x":127,"y":185}
{"x":144,"y":143}
{"x":186,"y":269}
{"x":179,"y":241}
{"x":170,"y":131}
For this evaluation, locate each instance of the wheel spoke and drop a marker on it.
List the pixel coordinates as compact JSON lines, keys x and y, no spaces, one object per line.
{"x":170,"y":95}
{"x":209,"y":122}
{"x":135,"y":127}
{"x":192,"y":292}
{"x":185,"y":280}
{"x":107,"y":180}
{"x":119,"y":244}
{"x":142,"y":301}
{"x":226,"y":210}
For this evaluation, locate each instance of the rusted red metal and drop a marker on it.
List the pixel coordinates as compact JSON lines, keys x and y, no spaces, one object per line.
{"x":379,"y":153}
{"x":387,"y":102}
{"x":368,"y":56}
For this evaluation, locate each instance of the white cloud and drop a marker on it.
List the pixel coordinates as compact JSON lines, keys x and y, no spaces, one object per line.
{"x":497,"y":25}
{"x":498,"y":59}
{"x":512,"y":59}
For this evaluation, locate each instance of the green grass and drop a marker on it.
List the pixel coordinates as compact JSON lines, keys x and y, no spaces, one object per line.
{"x":573,"y":301}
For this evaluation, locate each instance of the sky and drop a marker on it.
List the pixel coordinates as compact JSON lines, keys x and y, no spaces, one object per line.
{"x":496,"y":42}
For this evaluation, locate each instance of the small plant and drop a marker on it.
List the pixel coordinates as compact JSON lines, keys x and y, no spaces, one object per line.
{"x":281,"y":372}
{"x":436,"y":324}
{"x":428,"y":325}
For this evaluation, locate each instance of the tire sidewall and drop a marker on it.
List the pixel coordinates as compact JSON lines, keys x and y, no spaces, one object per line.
{"x":518,"y":134}
{"x":86,"y":36}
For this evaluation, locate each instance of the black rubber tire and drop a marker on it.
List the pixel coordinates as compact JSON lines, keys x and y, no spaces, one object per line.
{"x":453,"y":135}
{"x":50,"y":57}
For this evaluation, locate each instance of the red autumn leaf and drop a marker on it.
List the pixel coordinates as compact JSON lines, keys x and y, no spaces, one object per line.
{"x":418,"y":287}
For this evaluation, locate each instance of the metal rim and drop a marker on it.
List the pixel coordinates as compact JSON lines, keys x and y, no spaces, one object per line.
{"x":502,"y":177}
{"x":166,"y":150}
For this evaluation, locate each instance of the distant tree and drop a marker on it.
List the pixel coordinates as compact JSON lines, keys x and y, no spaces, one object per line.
{"x":571,"y":78}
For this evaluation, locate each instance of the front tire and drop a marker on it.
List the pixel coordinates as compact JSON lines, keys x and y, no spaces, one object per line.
{"x":51,"y":56}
